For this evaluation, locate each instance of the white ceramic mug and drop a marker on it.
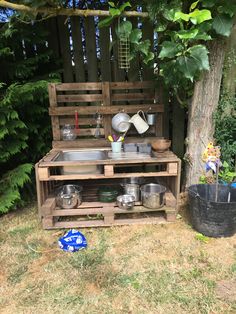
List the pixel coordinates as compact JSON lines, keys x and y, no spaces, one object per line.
{"x":139,"y":122}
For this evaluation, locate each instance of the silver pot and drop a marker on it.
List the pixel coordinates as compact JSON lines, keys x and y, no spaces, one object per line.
{"x":125,"y":201}
{"x":69,"y":196}
{"x":132,"y":189}
{"x":153,"y":195}
{"x":120,"y":122}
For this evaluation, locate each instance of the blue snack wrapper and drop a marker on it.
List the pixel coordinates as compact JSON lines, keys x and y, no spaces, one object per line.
{"x":72,"y":241}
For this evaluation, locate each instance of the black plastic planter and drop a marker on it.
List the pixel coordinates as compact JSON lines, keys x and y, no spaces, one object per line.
{"x":210,"y":217}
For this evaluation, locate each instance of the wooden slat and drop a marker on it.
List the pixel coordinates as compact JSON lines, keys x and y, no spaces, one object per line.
{"x":106,"y":103}
{"x":82,"y":121}
{"x":132,"y":85}
{"x":78,"y":98}
{"x":62,"y":111}
{"x":101,"y":176}
{"x":78,"y":86}
{"x":54,"y":120}
{"x":90,"y":132}
{"x":65,"y":48}
{"x":104,"y":41}
{"x":132,"y":96}
{"x":91,"y":51}
{"x":77,"y":48}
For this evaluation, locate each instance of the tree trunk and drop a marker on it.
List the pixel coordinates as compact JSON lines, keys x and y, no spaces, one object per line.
{"x":200,"y":117}
{"x":229,"y":82}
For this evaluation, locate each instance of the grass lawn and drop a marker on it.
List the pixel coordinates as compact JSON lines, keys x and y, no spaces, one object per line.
{"x":131,"y":269}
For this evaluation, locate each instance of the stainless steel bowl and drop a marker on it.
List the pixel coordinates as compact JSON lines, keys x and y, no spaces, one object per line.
{"x":125,"y":201}
{"x":69,"y":196}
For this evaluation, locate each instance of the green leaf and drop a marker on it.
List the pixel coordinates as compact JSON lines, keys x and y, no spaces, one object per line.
{"x":170,"y":49}
{"x":124,"y":6}
{"x":208,"y":3}
{"x":124,"y":28}
{"x":161,"y":27}
{"x":188,"y":67}
{"x":200,"y":54}
{"x":135,"y":36}
{"x":200,"y":237}
{"x":144,"y":47}
{"x":200,"y":16}
{"x":187,"y":34}
{"x":181,"y":16}
{"x":227,"y":8}
{"x":169,"y":14}
{"x":222,"y":24}
{"x":193,"y":5}
{"x":105,"y":22}
{"x":111,"y":4}
{"x":148,"y":57}
{"x":114,"y":12}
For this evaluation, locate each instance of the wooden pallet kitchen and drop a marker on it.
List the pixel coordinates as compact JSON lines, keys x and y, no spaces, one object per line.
{"x":107,"y":99}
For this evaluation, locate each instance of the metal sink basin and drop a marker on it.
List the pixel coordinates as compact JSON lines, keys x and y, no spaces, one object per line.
{"x":81,"y":156}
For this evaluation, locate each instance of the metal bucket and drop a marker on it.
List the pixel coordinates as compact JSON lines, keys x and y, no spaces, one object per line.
{"x":153,"y":195}
{"x":151,"y":118}
{"x":132,"y":189}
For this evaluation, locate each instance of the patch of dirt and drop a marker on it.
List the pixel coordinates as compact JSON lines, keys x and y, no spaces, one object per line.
{"x":91,"y":288}
{"x":226,"y":290}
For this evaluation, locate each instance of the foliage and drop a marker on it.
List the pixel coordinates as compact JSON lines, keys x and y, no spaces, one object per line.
{"x":226,"y":174}
{"x":225,"y":128}
{"x":24,"y":122}
{"x":183,"y":30}
{"x":137,"y":45}
{"x":115,"y":11}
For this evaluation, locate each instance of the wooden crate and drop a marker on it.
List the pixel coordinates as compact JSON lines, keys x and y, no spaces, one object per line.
{"x":93,"y":213}
{"x":106,"y":98}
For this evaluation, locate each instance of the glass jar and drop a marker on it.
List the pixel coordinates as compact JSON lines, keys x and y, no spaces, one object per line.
{"x":68,"y":133}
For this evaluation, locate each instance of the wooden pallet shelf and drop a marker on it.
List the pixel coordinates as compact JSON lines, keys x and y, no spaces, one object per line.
{"x":86,"y":99}
{"x":95,"y":214}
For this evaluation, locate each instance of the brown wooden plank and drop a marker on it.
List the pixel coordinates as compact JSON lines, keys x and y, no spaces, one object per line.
{"x":132,"y":85}
{"x":105,"y":57}
{"x":62,"y":111}
{"x":48,"y":206}
{"x":82,"y":121}
{"x":77,"y":48}
{"x":39,"y":193}
{"x":77,"y":98}
{"x":64,"y":36}
{"x":132,"y":96}
{"x":54,"y":120}
{"x":78,"y":86}
{"x":101,"y":176}
{"x":106,"y":103}
{"x":52,"y":37}
{"x":91,"y":51}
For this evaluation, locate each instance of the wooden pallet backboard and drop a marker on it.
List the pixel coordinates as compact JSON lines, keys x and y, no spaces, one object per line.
{"x":106,"y":98}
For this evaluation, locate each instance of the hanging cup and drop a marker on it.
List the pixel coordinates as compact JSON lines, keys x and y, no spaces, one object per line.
{"x":139,"y":122}
{"x":151,"y":118}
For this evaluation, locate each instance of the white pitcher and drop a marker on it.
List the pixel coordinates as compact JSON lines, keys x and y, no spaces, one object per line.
{"x":139,"y":122}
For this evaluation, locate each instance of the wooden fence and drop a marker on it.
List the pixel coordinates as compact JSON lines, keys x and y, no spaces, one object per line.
{"x":90,"y":54}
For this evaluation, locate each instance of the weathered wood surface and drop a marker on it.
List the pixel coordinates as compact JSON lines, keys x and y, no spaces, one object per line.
{"x":106,"y":98}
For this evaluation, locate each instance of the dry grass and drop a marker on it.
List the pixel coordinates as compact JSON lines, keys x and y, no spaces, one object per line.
{"x":133,"y":269}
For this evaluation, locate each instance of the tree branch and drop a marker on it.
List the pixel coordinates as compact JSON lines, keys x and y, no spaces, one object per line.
{"x":66,"y":12}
